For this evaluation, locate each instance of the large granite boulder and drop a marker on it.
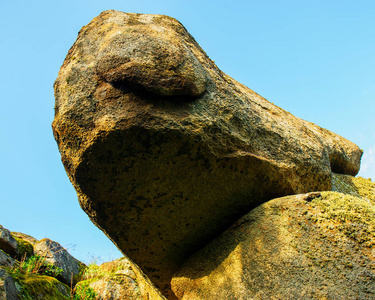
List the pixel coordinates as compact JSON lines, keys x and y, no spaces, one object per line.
{"x":165,"y":150}
{"x":307,"y":246}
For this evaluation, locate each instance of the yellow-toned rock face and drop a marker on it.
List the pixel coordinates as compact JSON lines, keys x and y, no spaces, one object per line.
{"x":165,"y":150}
{"x":117,"y":280}
{"x":309,"y":246}
{"x":154,"y":59}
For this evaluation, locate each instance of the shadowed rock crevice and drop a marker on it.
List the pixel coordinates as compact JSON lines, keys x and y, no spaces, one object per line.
{"x":175,"y":194}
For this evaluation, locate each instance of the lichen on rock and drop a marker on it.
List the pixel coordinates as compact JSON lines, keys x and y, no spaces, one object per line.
{"x":41,"y":287}
{"x":355,"y":186}
{"x":314,"y":246}
{"x":26,"y":249}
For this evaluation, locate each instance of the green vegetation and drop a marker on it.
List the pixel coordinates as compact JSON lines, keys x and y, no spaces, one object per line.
{"x":25,"y":248}
{"x":92,"y":270}
{"x":82,"y":290}
{"x":35,"y":278}
{"x":35,"y":264}
{"x":35,"y":286}
{"x":78,"y":277}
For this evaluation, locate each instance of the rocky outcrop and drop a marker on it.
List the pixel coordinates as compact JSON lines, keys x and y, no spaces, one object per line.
{"x":45,"y":270}
{"x":23,"y":275}
{"x":116,"y":280}
{"x":165,"y":151}
{"x":8,"y":243}
{"x":56,"y":255}
{"x":307,"y":246}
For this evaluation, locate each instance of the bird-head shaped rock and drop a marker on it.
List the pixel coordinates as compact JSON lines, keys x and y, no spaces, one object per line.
{"x":166,"y":151}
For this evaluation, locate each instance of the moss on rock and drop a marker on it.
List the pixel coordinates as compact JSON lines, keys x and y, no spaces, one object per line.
{"x":25,"y":248}
{"x":38,"y":287}
{"x":83,"y":290}
{"x":118,"y":279}
{"x":310,"y":246}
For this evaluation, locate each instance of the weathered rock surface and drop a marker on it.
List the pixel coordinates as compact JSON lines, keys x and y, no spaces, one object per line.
{"x":125,"y":267}
{"x":25,"y":237}
{"x":56,"y":255}
{"x":8,"y":288}
{"x":7,"y":242}
{"x":40,"y":287}
{"x":119,"y":279}
{"x":165,"y":150}
{"x":308,"y":246}
{"x":25,"y":248}
{"x":6,"y":260}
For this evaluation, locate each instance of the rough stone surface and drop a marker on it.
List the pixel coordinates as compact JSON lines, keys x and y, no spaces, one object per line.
{"x":40,"y":287}
{"x":308,"y":246}
{"x":25,"y":237}
{"x":7,"y":242}
{"x":125,"y":267}
{"x":116,"y":288}
{"x":25,"y":248}
{"x":120,"y":279}
{"x":165,"y":150}
{"x":56,"y":255}
{"x":6,"y":260}
{"x":8,"y":288}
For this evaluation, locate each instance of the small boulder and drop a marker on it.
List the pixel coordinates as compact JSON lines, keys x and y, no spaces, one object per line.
{"x":56,"y":255}
{"x":116,"y":280}
{"x":8,"y":243}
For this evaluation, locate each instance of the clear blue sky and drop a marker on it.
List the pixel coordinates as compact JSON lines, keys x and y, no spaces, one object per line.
{"x":313,"y":58}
